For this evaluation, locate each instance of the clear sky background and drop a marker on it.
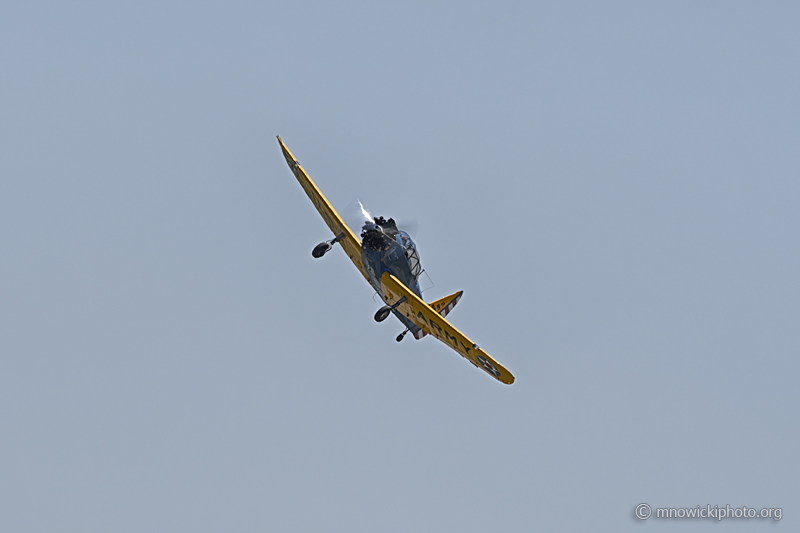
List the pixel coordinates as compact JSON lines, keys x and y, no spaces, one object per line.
{"x":614,"y":185}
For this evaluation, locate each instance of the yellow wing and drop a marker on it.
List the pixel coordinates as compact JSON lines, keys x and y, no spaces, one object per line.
{"x":434,"y":324}
{"x":350,"y":243}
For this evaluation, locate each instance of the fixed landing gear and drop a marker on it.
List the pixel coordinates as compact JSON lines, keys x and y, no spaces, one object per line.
{"x":400,"y":337}
{"x":382,"y":313}
{"x":323,"y":247}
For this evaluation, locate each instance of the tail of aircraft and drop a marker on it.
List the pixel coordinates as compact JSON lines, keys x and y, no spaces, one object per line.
{"x":443,"y":306}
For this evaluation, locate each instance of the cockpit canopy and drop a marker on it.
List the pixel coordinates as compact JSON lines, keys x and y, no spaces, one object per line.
{"x":411,"y":254}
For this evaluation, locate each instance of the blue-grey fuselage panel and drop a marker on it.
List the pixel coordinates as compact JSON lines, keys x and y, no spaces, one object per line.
{"x":399,"y":259}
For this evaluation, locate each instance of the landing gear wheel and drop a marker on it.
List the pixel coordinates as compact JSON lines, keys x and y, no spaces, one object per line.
{"x":400,"y":337}
{"x":321,"y":249}
{"x":382,"y":313}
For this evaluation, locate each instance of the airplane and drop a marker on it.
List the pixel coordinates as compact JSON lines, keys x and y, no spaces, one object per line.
{"x":389,"y":261}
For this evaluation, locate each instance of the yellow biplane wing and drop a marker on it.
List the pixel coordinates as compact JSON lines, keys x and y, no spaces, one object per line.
{"x":348,"y":240}
{"x":424,"y":316}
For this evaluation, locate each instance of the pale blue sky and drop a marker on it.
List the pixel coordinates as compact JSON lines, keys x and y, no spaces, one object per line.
{"x":614,"y":185}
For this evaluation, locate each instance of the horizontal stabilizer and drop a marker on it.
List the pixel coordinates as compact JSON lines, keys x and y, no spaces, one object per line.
{"x":443,"y":306}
